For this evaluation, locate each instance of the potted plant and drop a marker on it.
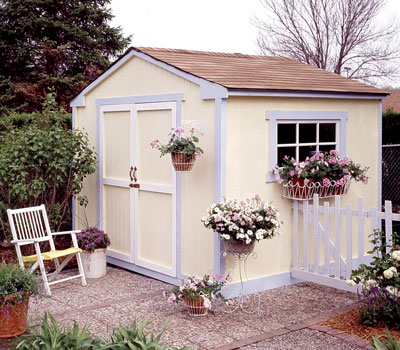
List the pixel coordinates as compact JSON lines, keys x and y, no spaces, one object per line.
{"x":16,"y":286}
{"x":322,"y":173}
{"x":94,"y":243}
{"x":241,"y":224}
{"x":183,"y":149}
{"x":198,"y":295}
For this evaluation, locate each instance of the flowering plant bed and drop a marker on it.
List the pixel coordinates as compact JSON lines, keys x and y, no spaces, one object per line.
{"x":380,"y":282}
{"x":349,"y":323}
{"x":199,"y":294}
{"x":323,"y":173}
{"x":244,"y":221}
{"x":184,"y":150}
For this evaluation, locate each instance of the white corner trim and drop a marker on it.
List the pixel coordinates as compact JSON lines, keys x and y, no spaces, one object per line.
{"x":276,"y":115}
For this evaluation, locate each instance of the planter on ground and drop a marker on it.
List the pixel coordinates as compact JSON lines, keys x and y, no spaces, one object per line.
{"x":94,"y":263}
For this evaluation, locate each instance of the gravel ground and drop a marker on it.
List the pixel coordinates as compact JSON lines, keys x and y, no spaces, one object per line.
{"x":305,"y":339}
{"x":122,"y":296}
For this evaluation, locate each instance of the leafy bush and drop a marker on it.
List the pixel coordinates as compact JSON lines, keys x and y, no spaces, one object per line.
{"x":50,"y":336}
{"x":390,"y":345}
{"x":43,"y":163}
{"x":380,"y":284}
{"x":391,"y":127}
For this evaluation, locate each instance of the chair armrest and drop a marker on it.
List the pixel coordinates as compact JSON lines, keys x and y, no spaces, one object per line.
{"x":29,"y":241}
{"x":65,"y":233}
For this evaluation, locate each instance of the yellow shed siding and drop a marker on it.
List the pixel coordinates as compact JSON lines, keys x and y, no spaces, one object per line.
{"x":136,"y":78}
{"x":248,"y":163}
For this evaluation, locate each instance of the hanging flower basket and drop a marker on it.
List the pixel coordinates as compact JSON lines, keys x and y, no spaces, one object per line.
{"x":239,"y":247}
{"x":181,"y":163}
{"x":195,"y":307}
{"x":13,"y":315}
{"x":301,"y":190}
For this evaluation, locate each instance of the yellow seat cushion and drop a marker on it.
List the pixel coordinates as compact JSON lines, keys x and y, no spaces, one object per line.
{"x":52,"y":254}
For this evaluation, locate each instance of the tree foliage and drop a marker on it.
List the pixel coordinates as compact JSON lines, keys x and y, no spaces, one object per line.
{"x":43,"y":163}
{"x":391,"y":127}
{"x":342,"y":36}
{"x":60,"y":44}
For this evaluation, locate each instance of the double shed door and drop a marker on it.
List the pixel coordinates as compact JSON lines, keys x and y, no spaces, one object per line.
{"x":138,"y":188}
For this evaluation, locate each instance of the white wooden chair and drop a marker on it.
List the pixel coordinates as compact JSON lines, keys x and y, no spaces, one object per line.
{"x":31,"y":226}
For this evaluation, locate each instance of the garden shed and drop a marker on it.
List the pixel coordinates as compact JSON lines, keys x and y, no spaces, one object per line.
{"x":245,"y":108}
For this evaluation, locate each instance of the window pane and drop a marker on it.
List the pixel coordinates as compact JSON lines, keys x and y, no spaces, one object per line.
{"x":326,"y":148}
{"x":285,"y":151}
{"x":327,"y":132}
{"x":307,"y":133}
{"x":286,"y":133}
{"x":306,"y":151}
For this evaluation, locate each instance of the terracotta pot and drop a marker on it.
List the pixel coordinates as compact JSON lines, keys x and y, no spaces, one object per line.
{"x":181,"y":163}
{"x":239,"y":247}
{"x":300,"y":190}
{"x":195,"y":306}
{"x":13,"y":315}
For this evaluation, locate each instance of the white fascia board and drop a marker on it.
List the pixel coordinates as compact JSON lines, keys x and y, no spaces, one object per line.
{"x":253,"y":93}
{"x":208,"y":90}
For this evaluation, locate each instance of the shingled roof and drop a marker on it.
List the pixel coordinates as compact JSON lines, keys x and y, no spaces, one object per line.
{"x":250,"y":72}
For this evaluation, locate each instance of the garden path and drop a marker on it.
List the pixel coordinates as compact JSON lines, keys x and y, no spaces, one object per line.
{"x":289,"y":321}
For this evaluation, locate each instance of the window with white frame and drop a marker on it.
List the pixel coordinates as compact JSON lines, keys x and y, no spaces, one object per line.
{"x":301,"y":133}
{"x":301,"y":139}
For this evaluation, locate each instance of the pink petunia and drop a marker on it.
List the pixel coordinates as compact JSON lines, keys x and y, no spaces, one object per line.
{"x":218,"y":277}
{"x":291,"y":173}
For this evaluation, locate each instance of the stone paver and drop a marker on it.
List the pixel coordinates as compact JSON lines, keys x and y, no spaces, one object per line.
{"x":123,"y":296}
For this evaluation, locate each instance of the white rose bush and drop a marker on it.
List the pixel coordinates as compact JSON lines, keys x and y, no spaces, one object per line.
{"x":380,"y":282}
{"x":244,"y":221}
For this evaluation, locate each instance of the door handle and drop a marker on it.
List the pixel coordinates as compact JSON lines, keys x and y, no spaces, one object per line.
{"x":133,"y":178}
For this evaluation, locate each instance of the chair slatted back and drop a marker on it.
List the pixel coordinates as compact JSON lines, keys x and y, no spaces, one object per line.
{"x":29,"y":223}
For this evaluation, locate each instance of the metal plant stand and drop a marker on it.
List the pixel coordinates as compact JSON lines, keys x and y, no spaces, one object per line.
{"x":242,"y":300}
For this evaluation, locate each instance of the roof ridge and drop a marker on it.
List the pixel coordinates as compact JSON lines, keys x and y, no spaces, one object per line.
{"x":210,"y":53}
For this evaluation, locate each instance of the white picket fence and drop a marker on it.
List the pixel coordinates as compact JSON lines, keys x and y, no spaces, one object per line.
{"x":323,"y":239}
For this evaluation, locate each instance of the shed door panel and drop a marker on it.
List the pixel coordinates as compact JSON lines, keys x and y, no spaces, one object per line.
{"x":155,"y":220}
{"x":116,"y":198}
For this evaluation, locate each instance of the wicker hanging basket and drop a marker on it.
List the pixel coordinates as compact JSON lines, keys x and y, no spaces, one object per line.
{"x":239,"y":247}
{"x":181,"y":163}
{"x":13,"y":315}
{"x":195,"y":307}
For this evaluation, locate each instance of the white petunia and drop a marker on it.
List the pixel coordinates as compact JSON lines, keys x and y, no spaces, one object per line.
{"x":350,"y":283}
{"x":396,"y":255}
{"x":388,"y":274}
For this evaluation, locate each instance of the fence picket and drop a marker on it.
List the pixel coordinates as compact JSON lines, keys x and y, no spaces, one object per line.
{"x":337,"y":236}
{"x":315,"y":234}
{"x":305,"y":233}
{"x":388,"y":224}
{"x":295,"y":257}
{"x":360,"y":233}
{"x":326,"y":238}
{"x":349,"y":241}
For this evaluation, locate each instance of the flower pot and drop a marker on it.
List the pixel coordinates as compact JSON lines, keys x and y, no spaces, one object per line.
{"x":94,"y":263}
{"x":13,"y":315}
{"x":239,"y":247}
{"x":195,"y":307}
{"x":181,"y":163}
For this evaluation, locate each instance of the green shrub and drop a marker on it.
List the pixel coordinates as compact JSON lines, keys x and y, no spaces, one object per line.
{"x":390,"y":345}
{"x":390,"y":127}
{"x":136,"y":337}
{"x":14,"y":280}
{"x":50,"y":336}
{"x":44,"y":163}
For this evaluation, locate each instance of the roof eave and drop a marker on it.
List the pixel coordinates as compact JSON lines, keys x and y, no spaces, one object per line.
{"x":309,"y":94}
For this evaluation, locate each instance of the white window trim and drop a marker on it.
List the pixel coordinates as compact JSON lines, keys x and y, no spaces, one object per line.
{"x":274,"y":117}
